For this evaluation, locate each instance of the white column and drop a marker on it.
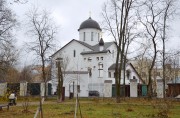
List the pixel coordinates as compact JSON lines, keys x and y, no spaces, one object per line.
{"x":23,"y":89}
{"x":133,"y":88}
{"x":108,"y":88}
{"x":3,"y":88}
{"x":42,"y":89}
{"x":159,"y":89}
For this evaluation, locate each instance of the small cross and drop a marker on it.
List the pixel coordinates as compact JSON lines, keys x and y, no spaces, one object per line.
{"x":89,"y":13}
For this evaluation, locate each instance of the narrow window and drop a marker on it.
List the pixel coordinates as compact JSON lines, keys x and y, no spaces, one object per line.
{"x":97,"y":58}
{"x":74,"y":53}
{"x":100,"y":70}
{"x":84,"y":36}
{"x":92,"y":35}
{"x":134,"y":77}
{"x":101,"y":58}
{"x":109,"y":74}
{"x":90,"y":72}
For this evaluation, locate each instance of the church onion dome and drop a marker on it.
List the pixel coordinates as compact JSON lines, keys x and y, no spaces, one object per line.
{"x":101,"y":42}
{"x":89,"y":23}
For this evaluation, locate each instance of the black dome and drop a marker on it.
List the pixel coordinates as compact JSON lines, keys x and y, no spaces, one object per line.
{"x":89,"y":23}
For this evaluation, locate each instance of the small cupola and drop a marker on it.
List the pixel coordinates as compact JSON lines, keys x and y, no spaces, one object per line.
{"x":89,"y":32}
{"x":101,"y":45}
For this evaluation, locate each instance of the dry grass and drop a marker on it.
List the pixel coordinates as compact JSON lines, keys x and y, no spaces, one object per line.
{"x":100,"y":108}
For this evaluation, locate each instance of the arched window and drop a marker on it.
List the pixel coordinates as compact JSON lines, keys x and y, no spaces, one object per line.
{"x":74,"y":53}
{"x":92,"y":36}
{"x":84,"y":36}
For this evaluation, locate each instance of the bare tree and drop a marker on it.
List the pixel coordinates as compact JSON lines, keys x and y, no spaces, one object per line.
{"x":150,"y":19}
{"x":115,"y":14}
{"x":61,"y":64}
{"x":8,"y":52}
{"x":131,"y":34}
{"x":172,"y":66}
{"x":8,"y":59}
{"x":7,"y":22}
{"x":43,"y":31}
{"x":60,"y":79}
{"x":169,"y":10}
{"x":26,"y":74}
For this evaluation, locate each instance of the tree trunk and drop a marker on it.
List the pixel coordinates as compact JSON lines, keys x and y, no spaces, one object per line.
{"x":117,"y":81}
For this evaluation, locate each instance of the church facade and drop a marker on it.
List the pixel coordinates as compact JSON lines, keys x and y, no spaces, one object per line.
{"x":88,"y":64}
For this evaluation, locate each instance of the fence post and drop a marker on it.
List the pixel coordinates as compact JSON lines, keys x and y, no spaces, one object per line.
{"x":159,"y":89}
{"x":133,"y":88}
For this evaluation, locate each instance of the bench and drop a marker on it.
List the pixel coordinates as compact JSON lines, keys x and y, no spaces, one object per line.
{"x":4,"y":105}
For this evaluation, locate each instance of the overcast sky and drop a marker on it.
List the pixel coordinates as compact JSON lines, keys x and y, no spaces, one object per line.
{"x":69,"y":14}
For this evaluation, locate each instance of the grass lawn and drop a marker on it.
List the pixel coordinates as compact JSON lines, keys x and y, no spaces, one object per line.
{"x":100,"y":108}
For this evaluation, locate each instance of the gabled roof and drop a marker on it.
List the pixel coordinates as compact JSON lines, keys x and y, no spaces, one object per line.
{"x":137,"y":74}
{"x":85,"y":44}
{"x":112,"y":67}
{"x":82,"y":43}
{"x":106,"y":45}
{"x":95,"y":48}
{"x":94,"y":52}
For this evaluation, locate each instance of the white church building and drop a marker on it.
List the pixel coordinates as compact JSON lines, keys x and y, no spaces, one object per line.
{"x":88,"y":64}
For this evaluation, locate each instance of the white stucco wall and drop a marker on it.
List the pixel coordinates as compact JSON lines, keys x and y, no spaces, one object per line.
{"x":82,"y":63}
{"x":127,"y":80}
{"x":132,"y":73}
{"x":88,"y":40}
{"x":78,"y":79}
{"x":74,"y":64}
